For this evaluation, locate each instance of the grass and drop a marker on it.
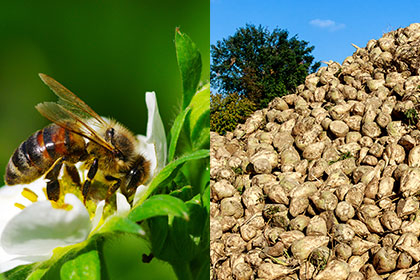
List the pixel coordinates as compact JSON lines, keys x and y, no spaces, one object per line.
{"x":411,"y":116}
{"x":343,"y":156}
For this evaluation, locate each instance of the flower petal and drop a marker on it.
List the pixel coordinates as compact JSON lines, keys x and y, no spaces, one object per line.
{"x":40,"y":228}
{"x":148,"y":151}
{"x":9,"y":195}
{"x":155,"y":130}
{"x":122,"y":204}
{"x":98,"y":214}
{"x":140,"y":191}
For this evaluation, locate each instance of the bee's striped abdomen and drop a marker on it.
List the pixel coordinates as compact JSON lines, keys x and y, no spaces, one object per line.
{"x":38,"y":153}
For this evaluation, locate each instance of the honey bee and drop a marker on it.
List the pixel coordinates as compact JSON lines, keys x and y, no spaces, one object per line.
{"x":77,"y":134}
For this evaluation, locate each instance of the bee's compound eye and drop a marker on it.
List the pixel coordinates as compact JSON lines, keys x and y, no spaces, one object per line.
{"x":110,"y":133}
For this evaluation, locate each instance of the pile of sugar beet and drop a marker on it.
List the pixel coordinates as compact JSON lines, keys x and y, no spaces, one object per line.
{"x":325,"y":183}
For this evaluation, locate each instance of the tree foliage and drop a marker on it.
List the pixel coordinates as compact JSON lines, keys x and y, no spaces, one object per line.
{"x":228,"y":111}
{"x":259,"y":64}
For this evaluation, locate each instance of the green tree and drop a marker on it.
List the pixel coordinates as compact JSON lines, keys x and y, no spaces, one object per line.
{"x":259,"y":64}
{"x":228,"y":111}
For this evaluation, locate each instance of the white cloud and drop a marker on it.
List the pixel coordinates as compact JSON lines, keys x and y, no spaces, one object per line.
{"x":322,"y":22}
{"x":327,"y":24}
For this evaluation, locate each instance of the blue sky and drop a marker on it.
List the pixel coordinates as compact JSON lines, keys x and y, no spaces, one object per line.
{"x":330,"y":26}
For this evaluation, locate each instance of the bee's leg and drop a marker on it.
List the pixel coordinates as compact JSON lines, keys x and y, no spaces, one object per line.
{"x":113,"y":188}
{"x":53,"y":186}
{"x":73,"y":173}
{"x":91,"y":174}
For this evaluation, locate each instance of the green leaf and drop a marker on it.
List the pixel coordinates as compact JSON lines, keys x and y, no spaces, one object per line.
{"x":201,"y":136}
{"x":205,"y":235}
{"x":158,"y":236}
{"x":183,"y":193}
{"x":200,"y":104}
{"x":202,"y":269}
{"x":205,"y":178}
{"x":20,"y":272}
{"x":201,"y":265}
{"x":159,"y":205}
{"x":182,"y":270}
{"x":197,"y":216}
{"x":84,"y":266}
{"x":178,"y":245}
{"x":206,"y":199}
{"x":63,"y":255}
{"x":181,"y":243}
{"x":175,"y":131}
{"x":122,"y":259}
{"x":169,"y":169}
{"x":189,"y":62}
{"x":199,"y":120}
{"x":180,"y":180}
{"x":37,"y":274}
{"x":195,"y":170}
{"x":118,"y":223}
{"x":182,"y":240}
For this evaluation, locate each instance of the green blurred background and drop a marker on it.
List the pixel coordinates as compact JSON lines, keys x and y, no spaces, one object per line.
{"x":107,"y":52}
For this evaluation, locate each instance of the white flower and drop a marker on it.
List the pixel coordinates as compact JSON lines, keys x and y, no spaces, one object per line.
{"x":31,"y":226}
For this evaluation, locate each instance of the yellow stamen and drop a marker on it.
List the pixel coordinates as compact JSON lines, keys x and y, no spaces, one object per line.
{"x":30,"y":195}
{"x":64,"y":206}
{"x":20,"y":206}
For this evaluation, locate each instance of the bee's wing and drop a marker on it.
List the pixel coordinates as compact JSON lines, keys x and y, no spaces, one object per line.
{"x":70,"y":121}
{"x":70,"y":101}
{"x":72,"y":113}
